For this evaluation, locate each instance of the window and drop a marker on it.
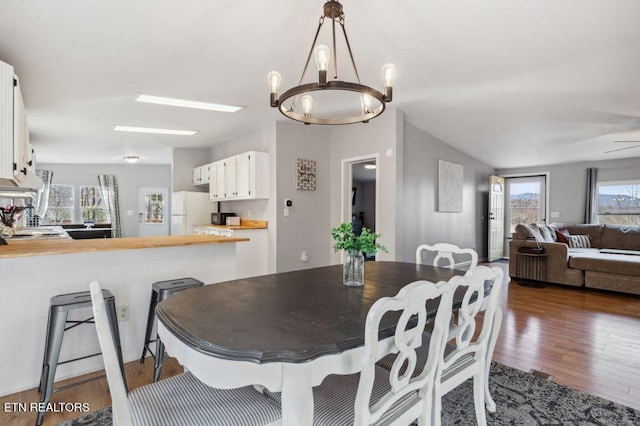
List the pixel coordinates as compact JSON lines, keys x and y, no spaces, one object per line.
{"x":60,"y":204}
{"x":153,"y":208}
{"x":91,"y":205}
{"x":65,"y":208}
{"x":619,"y":203}
{"x":525,"y":200}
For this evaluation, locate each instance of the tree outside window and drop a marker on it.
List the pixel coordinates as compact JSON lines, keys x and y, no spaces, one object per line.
{"x":92,"y":207}
{"x":61,"y":205}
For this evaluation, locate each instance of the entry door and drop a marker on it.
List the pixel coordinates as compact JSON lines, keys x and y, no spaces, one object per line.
{"x":153,"y":204}
{"x":496,"y":218}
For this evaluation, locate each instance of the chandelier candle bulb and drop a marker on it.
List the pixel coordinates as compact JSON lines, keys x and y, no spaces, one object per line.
{"x":274,"y":79}
{"x":388,"y":77}
{"x":307,"y":105}
{"x":322,"y":55}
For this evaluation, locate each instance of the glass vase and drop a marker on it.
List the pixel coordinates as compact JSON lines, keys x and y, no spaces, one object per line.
{"x":353,"y":269}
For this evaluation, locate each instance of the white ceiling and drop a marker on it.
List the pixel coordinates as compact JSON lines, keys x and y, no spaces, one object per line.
{"x":510,"y":82}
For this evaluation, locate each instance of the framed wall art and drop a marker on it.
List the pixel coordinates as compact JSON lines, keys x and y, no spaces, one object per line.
{"x":305,"y":175}
{"x":450,"y":185}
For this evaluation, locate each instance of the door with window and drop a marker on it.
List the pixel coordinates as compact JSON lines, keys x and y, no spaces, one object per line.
{"x":153,"y":206}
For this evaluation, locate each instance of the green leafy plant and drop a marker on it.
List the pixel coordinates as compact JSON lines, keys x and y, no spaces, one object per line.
{"x":346,"y":239}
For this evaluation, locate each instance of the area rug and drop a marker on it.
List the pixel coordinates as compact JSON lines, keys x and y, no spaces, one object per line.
{"x":522,"y":399}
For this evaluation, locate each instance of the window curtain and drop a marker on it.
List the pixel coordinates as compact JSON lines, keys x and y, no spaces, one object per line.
{"x":41,"y":201}
{"x":591,"y":211}
{"x":109,"y":187}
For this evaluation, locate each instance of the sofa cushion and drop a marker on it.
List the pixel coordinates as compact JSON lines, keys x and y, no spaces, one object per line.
{"x":611,"y":263}
{"x":525,"y":231}
{"x":593,"y":230}
{"x":579,"y":241}
{"x":548,"y":233}
{"x":621,"y":237}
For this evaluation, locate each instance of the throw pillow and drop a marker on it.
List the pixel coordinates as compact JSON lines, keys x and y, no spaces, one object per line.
{"x":547,"y":233}
{"x":579,"y":241}
{"x":563,"y":236}
{"x":529,"y":231}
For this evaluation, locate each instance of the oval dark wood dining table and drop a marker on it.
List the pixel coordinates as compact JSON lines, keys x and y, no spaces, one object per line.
{"x":284,"y":331}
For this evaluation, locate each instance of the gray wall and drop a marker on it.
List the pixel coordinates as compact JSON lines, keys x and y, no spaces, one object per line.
{"x":567,"y":183}
{"x":130,"y":178}
{"x":374,"y":138}
{"x":184,"y":161}
{"x":307,"y":228}
{"x":420,"y":218}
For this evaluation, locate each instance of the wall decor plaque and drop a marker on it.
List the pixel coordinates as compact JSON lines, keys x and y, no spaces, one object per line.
{"x":305,"y":175}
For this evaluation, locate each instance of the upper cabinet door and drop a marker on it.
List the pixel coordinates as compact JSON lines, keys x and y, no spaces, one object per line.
{"x":20,"y":135}
{"x":230,"y":167}
{"x":243,"y":176}
{"x":197,"y":176}
{"x":6,"y":122}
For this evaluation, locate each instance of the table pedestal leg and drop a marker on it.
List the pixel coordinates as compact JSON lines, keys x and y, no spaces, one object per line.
{"x":297,"y":396}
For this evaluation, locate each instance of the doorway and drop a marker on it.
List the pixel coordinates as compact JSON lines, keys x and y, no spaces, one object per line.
{"x":360,"y":194}
{"x":153,"y":206}
{"x":525,"y":201}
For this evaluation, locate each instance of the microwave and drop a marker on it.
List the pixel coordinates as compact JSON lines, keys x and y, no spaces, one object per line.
{"x":220,"y":218}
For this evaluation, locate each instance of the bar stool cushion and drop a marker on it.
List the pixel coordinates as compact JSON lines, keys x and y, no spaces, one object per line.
{"x":184,"y":400}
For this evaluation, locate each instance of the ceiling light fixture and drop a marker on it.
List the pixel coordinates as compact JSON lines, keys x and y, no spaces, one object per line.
{"x":370,"y":166}
{"x":372,"y":102}
{"x":186,"y":104}
{"x":119,"y":128}
{"x":131,"y":159}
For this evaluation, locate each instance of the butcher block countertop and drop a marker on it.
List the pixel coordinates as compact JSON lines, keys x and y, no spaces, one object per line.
{"x":244,"y":224}
{"x":22,"y":248}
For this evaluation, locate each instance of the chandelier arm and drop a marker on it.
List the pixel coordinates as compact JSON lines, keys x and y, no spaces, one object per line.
{"x":335,"y":52}
{"x":306,"y":65}
{"x":346,"y":39}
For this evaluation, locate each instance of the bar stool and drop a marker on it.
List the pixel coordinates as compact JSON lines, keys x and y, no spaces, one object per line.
{"x":160,"y":291}
{"x":56,"y":327}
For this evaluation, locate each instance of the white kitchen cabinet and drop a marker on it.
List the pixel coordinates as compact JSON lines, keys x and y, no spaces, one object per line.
{"x":216,"y":181}
{"x":247,"y":176}
{"x":15,"y":152}
{"x":201,"y":175}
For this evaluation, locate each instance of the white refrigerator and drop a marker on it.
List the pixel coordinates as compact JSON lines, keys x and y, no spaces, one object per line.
{"x":189,"y":209}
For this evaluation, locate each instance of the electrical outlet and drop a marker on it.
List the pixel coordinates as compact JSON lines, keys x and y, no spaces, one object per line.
{"x":123,"y":312}
{"x":304,"y":256}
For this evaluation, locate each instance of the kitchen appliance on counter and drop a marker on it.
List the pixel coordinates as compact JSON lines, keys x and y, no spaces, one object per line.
{"x":189,"y":209}
{"x":220,"y":218}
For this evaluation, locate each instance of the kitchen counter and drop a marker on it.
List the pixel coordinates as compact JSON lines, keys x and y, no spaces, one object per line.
{"x":35,"y":270}
{"x":244,"y":224}
{"x":45,"y":247}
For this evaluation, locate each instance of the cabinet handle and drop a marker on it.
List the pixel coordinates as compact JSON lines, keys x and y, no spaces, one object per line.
{"x":24,"y":171}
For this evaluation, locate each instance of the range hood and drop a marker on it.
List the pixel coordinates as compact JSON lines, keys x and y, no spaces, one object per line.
{"x":28,"y":188}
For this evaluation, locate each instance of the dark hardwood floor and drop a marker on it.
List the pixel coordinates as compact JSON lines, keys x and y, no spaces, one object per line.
{"x":588,"y":340}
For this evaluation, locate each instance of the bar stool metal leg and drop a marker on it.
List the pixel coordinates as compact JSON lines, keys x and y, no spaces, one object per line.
{"x":160,"y":291}
{"x":57,"y":322}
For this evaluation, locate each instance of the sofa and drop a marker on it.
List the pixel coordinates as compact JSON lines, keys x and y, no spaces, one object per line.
{"x":598,"y":256}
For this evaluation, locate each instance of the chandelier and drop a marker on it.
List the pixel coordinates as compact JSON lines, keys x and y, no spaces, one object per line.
{"x":297,"y":102}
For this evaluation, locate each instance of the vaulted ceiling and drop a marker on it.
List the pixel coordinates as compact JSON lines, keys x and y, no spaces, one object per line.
{"x":510,"y":82}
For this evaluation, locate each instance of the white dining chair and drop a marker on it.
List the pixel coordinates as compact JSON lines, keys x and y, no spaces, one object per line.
{"x":399,"y":396}
{"x":450,"y":254}
{"x":468,"y":356}
{"x":179,"y":400}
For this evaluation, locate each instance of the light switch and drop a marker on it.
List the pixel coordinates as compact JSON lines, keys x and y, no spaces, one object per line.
{"x":286,"y":211}
{"x":129,"y":212}
{"x":555,"y":214}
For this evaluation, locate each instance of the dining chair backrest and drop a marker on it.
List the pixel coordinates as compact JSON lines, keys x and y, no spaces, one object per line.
{"x":121,"y":410}
{"x":411,"y":305}
{"x":447,"y":255}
